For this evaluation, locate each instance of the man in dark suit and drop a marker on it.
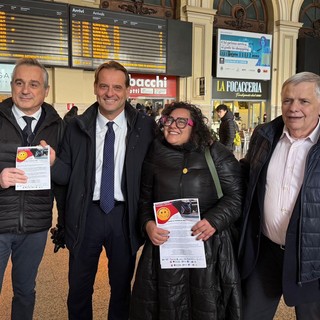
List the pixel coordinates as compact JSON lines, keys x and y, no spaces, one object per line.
{"x":25,"y":215}
{"x":92,"y":220}
{"x":280,"y":242}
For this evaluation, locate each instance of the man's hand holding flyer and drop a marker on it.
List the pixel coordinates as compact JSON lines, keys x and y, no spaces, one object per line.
{"x":35,"y":162}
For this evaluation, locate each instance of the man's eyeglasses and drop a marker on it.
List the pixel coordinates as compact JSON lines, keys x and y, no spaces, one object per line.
{"x":181,"y":123}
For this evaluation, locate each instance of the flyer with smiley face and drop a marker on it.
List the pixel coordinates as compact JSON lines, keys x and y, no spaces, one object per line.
{"x":35,"y":162}
{"x":181,"y":250}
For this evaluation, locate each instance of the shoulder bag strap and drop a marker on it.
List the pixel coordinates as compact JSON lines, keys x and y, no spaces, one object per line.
{"x":213,"y":172}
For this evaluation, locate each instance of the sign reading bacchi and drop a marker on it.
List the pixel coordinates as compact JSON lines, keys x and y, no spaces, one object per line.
{"x":151,"y":85}
{"x":234,"y":89}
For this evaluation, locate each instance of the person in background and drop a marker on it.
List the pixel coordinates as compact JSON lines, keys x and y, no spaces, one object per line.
{"x":25,"y":216}
{"x":279,"y":246}
{"x":141,"y":108}
{"x":70,"y":114}
{"x":265,"y":117}
{"x":227,"y":129}
{"x":264,"y":53}
{"x":150,"y":112}
{"x":101,"y":210}
{"x":159,"y":112}
{"x":176,"y":168}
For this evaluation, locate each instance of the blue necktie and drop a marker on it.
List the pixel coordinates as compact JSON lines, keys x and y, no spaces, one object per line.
{"x":27,"y":130}
{"x":107,"y":176}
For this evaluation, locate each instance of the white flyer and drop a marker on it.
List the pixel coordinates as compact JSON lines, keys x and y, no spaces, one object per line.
{"x":182,"y":250}
{"x":35,"y":162}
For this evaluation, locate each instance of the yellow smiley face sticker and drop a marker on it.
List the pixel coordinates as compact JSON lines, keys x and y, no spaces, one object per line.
{"x":22,"y":155}
{"x":163,"y":213}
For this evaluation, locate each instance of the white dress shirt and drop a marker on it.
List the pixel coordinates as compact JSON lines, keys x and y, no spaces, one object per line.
{"x":284,"y":180}
{"x":120,"y":130}
{"x":18,"y":114}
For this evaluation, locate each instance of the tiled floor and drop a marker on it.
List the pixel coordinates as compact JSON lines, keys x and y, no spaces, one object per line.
{"x":52,"y":286}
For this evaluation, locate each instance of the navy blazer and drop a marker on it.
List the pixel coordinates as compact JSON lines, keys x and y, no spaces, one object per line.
{"x":301,"y":268}
{"x":75,"y":166}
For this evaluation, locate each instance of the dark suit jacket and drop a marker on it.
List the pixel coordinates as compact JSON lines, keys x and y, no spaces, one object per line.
{"x":75,"y":166}
{"x":301,"y":270}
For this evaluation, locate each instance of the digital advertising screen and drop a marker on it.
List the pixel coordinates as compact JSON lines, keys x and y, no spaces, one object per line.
{"x":243,"y":55}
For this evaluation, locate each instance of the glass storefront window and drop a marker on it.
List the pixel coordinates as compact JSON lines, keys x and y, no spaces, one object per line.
{"x":248,"y":114}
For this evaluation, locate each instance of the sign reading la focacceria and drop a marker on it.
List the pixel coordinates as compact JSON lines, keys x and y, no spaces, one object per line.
{"x":239,"y":89}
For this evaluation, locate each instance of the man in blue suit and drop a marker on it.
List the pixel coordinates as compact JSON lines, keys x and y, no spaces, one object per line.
{"x":89,"y":226}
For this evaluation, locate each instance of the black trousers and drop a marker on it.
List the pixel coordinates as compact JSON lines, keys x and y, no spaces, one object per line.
{"x":262,"y":290}
{"x":108,"y":231}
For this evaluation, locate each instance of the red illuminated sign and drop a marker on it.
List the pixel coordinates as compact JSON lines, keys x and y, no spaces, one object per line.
{"x":151,"y":85}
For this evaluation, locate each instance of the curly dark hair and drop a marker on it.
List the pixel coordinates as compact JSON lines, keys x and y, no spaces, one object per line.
{"x":201,"y":136}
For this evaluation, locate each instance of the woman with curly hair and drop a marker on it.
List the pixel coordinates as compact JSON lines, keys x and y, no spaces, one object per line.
{"x":176,"y":168}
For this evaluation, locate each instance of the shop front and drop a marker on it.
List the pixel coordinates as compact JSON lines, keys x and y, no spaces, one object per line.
{"x":247,"y":99}
{"x":152,"y":91}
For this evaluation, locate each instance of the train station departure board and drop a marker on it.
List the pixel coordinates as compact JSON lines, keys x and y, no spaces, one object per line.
{"x":137,"y":42}
{"x":34,"y":29}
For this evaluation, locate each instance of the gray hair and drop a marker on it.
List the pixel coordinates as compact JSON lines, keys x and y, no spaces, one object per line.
{"x":304,"y":77}
{"x":33,"y":63}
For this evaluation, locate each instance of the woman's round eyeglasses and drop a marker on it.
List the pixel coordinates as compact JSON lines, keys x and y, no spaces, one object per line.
{"x":181,"y":123}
